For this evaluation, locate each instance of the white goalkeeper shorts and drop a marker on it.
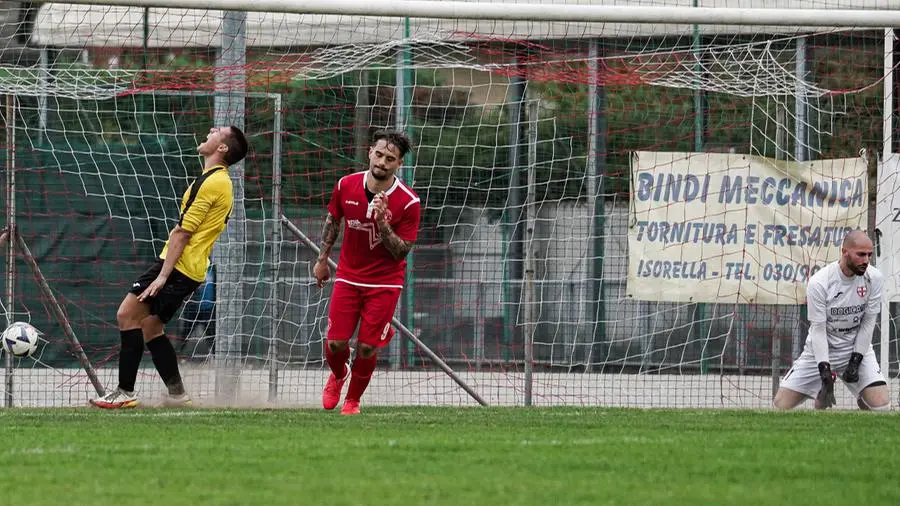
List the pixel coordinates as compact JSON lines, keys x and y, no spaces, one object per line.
{"x":803,"y":376}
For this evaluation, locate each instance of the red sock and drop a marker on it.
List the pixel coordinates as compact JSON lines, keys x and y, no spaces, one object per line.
{"x":337,"y":360}
{"x":360,"y":374}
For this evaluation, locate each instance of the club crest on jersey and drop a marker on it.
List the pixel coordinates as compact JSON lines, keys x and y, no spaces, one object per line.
{"x":862,"y":291}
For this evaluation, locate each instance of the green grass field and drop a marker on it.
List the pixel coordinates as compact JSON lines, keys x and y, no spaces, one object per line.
{"x":453,"y":456}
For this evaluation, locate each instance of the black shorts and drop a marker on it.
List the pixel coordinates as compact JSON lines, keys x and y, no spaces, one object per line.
{"x":172,"y":295}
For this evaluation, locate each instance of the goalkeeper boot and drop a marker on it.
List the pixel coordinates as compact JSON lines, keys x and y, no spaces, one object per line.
{"x":331,"y":395}
{"x":117,"y":399}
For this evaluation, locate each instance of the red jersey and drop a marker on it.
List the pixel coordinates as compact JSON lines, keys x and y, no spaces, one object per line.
{"x":364,"y":261}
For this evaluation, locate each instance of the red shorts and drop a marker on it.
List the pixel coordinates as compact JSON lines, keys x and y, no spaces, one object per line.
{"x":372,"y":308}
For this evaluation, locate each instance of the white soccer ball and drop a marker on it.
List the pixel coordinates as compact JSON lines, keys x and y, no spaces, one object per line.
{"x":20,"y":339}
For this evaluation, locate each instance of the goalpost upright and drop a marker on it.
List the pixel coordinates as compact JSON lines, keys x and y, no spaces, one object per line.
{"x":886,"y":236}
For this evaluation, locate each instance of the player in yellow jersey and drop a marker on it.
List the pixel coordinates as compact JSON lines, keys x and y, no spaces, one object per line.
{"x":156,"y":296}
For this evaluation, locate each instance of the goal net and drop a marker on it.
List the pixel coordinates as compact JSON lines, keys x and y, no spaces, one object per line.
{"x":614,"y":213}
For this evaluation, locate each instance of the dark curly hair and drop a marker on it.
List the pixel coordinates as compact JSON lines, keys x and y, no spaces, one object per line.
{"x":395,"y":137}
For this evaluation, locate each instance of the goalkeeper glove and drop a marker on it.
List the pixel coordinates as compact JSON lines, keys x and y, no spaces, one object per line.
{"x":825,"y":399}
{"x":851,"y":373}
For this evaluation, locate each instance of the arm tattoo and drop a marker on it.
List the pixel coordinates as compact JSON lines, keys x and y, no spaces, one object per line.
{"x":395,"y":245}
{"x":330,"y":232}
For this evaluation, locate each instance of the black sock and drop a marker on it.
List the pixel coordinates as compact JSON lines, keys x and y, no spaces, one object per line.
{"x":130,"y":357}
{"x":166,"y":363}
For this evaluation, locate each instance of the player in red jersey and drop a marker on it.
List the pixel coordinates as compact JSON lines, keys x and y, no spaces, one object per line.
{"x":382,"y":216}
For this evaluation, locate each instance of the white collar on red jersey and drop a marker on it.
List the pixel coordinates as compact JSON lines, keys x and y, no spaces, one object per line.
{"x":390,"y":190}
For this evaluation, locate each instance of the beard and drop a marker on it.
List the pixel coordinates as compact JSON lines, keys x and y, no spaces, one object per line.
{"x":858,"y":269}
{"x":381,"y":175}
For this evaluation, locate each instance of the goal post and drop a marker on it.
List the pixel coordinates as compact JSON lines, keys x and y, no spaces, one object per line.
{"x":621,"y":204}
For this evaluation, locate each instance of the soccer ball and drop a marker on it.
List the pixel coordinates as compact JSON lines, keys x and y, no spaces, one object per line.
{"x":20,"y":339}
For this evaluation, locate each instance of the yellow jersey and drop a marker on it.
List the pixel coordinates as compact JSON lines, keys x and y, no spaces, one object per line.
{"x":205,"y":209}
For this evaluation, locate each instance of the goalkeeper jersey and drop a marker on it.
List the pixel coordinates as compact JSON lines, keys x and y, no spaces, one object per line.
{"x":840,"y":302}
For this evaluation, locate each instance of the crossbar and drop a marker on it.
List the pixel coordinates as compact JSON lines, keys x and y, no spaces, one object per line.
{"x":843,"y":18}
